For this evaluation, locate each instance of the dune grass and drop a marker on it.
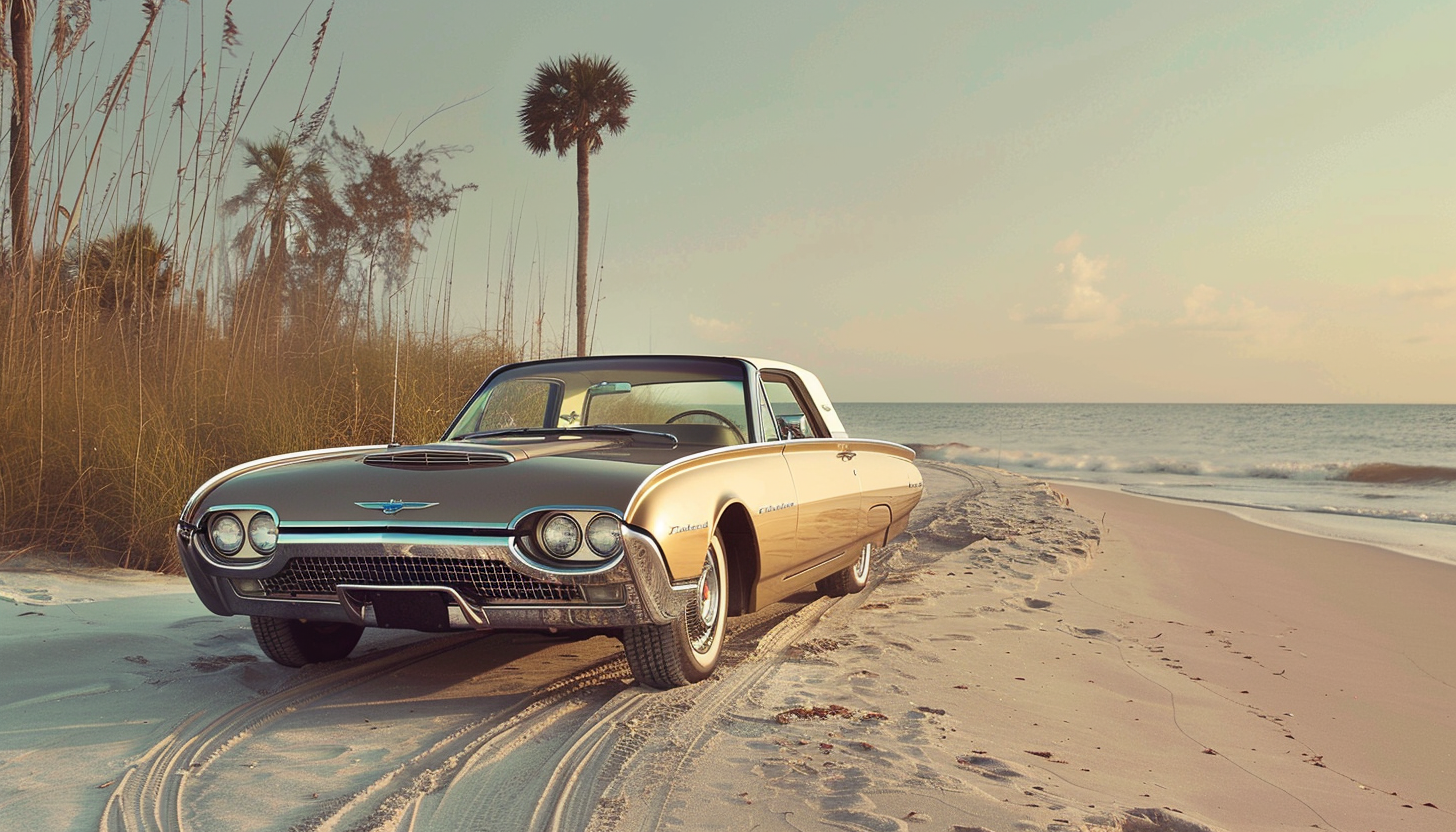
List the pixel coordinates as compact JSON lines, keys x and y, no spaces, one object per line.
{"x":144,"y":348}
{"x":110,"y":424}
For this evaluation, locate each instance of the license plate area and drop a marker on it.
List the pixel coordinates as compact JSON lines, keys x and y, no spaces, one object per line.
{"x":410,"y":610}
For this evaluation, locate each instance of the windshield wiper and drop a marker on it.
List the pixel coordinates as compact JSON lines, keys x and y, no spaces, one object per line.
{"x":557,"y":432}
{"x":481,"y":434}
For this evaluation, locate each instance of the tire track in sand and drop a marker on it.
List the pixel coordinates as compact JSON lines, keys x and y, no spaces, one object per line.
{"x":544,"y":766}
{"x":563,"y":740}
{"x":148,"y":796}
{"x":638,"y":791}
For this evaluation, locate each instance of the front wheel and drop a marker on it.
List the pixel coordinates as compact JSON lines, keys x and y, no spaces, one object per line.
{"x":293,"y":642}
{"x":850,"y":579}
{"x":686,"y":649}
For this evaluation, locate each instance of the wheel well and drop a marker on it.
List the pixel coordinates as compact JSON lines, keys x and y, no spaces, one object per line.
{"x":881,"y":517}
{"x":742,"y":556}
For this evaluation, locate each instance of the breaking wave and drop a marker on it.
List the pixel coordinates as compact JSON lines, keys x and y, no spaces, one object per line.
{"x":1375,"y":473}
{"x":1278,"y":486}
{"x":1390,"y":472}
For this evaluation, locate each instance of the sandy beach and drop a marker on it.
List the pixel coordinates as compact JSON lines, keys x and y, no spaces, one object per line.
{"x":1323,"y":672}
{"x":1034,"y":657}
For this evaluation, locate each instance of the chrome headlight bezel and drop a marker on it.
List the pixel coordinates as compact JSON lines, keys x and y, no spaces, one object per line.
{"x":237,"y":534}
{"x":556,"y":537}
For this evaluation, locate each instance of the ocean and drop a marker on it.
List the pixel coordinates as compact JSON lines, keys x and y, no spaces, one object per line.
{"x":1378,"y":474}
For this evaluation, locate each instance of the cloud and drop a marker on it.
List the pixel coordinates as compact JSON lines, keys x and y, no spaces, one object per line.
{"x":1439,"y":292}
{"x":1084,"y":310}
{"x":1085,"y":302}
{"x":1205,"y":310}
{"x":1070,"y":244}
{"x":712,"y":329}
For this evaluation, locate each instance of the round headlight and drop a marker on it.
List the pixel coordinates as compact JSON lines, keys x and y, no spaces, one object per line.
{"x":263,"y":532}
{"x":561,"y":536}
{"x":227,"y":534}
{"x":604,"y":535}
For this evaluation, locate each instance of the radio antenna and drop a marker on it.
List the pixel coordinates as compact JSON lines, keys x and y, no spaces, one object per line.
{"x":394,"y":393}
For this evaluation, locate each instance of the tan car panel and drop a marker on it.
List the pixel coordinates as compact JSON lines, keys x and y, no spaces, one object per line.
{"x":681,"y":504}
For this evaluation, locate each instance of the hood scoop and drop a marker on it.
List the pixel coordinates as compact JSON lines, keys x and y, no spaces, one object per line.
{"x":431,"y":456}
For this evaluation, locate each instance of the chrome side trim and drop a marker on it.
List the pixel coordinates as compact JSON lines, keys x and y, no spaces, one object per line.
{"x":754,"y":449}
{"x":691,"y":460}
{"x":402,"y":526}
{"x":388,"y":538}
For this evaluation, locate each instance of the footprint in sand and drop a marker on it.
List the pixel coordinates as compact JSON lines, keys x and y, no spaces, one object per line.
{"x":1092,"y":633}
{"x":988,"y":767}
{"x":28,"y":595}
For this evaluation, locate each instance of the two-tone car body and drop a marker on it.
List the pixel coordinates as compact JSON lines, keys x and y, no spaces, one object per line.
{"x":645,"y":496}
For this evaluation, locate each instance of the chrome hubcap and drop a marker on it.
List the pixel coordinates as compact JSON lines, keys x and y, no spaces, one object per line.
{"x":709,"y":600}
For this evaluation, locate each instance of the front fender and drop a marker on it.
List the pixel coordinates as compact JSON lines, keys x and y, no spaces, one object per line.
{"x":681,"y":503}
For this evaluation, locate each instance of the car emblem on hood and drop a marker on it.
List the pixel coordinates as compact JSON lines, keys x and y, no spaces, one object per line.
{"x":394,"y":506}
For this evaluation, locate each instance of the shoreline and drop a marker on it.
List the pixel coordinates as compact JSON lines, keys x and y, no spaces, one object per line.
{"x":1435,"y":542}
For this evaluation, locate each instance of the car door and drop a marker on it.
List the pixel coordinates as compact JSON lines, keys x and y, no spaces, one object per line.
{"x":826,"y":481}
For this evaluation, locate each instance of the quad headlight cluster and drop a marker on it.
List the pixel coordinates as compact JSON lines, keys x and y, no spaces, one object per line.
{"x":242,"y":533}
{"x":579,"y":536}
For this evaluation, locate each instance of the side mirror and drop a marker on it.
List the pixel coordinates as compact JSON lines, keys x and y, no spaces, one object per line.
{"x":792,"y":427}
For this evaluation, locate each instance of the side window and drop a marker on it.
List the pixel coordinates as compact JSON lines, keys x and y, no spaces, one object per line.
{"x":770,"y":424}
{"x":788,"y":411}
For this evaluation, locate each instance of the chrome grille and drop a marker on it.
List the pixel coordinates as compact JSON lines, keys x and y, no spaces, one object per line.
{"x":484,"y":581}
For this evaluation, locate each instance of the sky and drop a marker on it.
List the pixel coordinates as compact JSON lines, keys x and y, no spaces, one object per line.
{"x":955,"y":201}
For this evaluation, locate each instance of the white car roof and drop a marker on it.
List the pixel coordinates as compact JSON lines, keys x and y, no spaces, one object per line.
{"x":811,"y":385}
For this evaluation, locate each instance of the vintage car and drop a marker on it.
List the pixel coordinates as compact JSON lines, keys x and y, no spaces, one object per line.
{"x":647,"y":497}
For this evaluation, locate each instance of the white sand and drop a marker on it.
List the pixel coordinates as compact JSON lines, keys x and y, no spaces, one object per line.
{"x":1009,"y":674}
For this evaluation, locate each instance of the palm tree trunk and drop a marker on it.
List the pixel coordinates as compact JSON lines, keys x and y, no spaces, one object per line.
{"x":583,"y":216}
{"x":22,"y":29}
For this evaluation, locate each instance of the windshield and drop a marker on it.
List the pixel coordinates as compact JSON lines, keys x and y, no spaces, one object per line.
{"x":700,"y":401}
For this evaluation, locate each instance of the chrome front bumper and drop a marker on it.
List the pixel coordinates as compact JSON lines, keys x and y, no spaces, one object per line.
{"x":635,"y":588}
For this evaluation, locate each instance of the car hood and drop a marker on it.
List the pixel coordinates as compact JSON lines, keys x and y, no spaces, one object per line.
{"x":493,"y":485}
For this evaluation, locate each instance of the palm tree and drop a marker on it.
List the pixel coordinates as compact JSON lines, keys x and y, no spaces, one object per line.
{"x":21,"y":14}
{"x":568,"y":105}
{"x":277,"y":196}
{"x":129,"y":271}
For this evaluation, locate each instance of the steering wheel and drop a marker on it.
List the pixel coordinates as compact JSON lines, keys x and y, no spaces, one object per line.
{"x":716,"y":417}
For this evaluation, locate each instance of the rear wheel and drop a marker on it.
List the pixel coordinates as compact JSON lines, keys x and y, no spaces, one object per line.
{"x":686,"y":649}
{"x":293,"y":642}
{"x":850,"y":579}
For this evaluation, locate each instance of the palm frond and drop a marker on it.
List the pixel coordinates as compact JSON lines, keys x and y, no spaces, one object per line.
{"x":572,"y":100}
